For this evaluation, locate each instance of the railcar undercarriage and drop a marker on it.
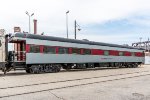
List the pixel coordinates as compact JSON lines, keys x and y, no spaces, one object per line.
{"x":53,"y":68}
{"x":43,"y":68}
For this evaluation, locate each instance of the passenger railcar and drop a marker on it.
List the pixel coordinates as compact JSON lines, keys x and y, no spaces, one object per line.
{"x":39,"y":53}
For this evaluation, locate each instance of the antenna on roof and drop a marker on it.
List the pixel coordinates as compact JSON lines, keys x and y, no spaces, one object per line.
{"x":42,"y":33}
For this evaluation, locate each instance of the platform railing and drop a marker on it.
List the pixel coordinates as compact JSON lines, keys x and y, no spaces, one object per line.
{"x":20,"y":56}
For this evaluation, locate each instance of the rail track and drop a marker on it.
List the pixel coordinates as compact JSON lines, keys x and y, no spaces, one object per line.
{"x":68,"y":80}
{"x":55,"y":85}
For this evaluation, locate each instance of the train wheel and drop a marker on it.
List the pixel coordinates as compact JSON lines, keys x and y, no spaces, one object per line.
{"x":34,"y":69}
{"x":120,"y":65}
{"x":4,"y":70}
{"x":27,"y":70}
{"x":68,"y":67}
{"x":56,"y":68}
{"x":135,"y":65}
{"x":128,"y":66}
{"x":47,"y":69}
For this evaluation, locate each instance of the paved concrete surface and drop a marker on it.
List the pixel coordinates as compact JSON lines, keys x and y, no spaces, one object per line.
{"x":125,"y":84}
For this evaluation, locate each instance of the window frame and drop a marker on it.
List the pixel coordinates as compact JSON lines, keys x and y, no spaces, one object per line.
{"x":133,"y":54}
{"x":48,"y":48}
{"x":121,"y":53}
{"x":64,"y":49}
{"x":108,"y":53}
{"x":86,"y":53}
{"x":76,"y":49}
{"x":33,"y":48}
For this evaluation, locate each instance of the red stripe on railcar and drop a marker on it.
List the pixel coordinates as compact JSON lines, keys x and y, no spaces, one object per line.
{"x":126,"y":53}
{"x":70,"y":50}
{"x":81,"y":51}
{"x":56,"y":50}
{"x":114,"y":53}
{"x":97,"y":52}
{"x":139,"y":54}
{"x":41,"y":48}
{"x":27,"y":48}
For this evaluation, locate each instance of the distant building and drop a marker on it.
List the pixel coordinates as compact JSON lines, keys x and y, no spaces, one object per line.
{"x":147,"y":57}
{"x":145,"y":45}
{"x":17,"y":29}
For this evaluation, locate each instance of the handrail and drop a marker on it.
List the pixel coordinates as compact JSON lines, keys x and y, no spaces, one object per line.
{"x":19,"y":55}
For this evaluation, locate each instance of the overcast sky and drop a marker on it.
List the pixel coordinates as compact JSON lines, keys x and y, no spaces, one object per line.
{"x":112,"y":21}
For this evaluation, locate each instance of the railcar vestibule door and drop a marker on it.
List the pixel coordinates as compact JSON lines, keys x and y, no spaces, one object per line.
{"x":20,"y":50}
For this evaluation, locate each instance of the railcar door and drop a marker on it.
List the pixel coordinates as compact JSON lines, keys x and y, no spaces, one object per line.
{"x":19,"y":48}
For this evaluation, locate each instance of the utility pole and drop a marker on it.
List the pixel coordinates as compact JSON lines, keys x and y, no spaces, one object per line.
{"x":75,"y":26}
{"x":67,"y":22}
{"x":75,"y":29}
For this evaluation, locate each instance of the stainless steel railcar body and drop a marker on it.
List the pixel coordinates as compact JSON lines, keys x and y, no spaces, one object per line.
{"x":30,"y":52}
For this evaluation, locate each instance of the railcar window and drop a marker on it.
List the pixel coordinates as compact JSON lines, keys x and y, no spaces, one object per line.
{"x":106,"y":53}
{"x":63,"y":50}
{"x":121,"y":53}
{"x":143,"y":54}
{"x":34,"y":49}
{"x":86,"y":51}
{"x":133,"y":54}
{"x":48,"y":49}
{"x":76,"y":51}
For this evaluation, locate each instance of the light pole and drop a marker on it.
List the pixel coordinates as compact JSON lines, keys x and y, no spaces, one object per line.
{"x":67,"y":22}
{"x":29,"y":19}
{"x":75,"y":29}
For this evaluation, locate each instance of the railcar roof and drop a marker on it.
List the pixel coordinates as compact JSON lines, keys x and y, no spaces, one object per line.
{"x":51,"y":38}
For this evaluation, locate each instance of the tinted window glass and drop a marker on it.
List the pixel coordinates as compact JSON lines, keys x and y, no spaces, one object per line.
{"x":63,"y":50}
{"x":106,"y":53}
{"x":133,"y":54}
{"x":76,"y":51}
{"x":120,"y":53}
{"x":86,"y":51}
{"x":48,"y":49}
{"x":34,"y":49}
